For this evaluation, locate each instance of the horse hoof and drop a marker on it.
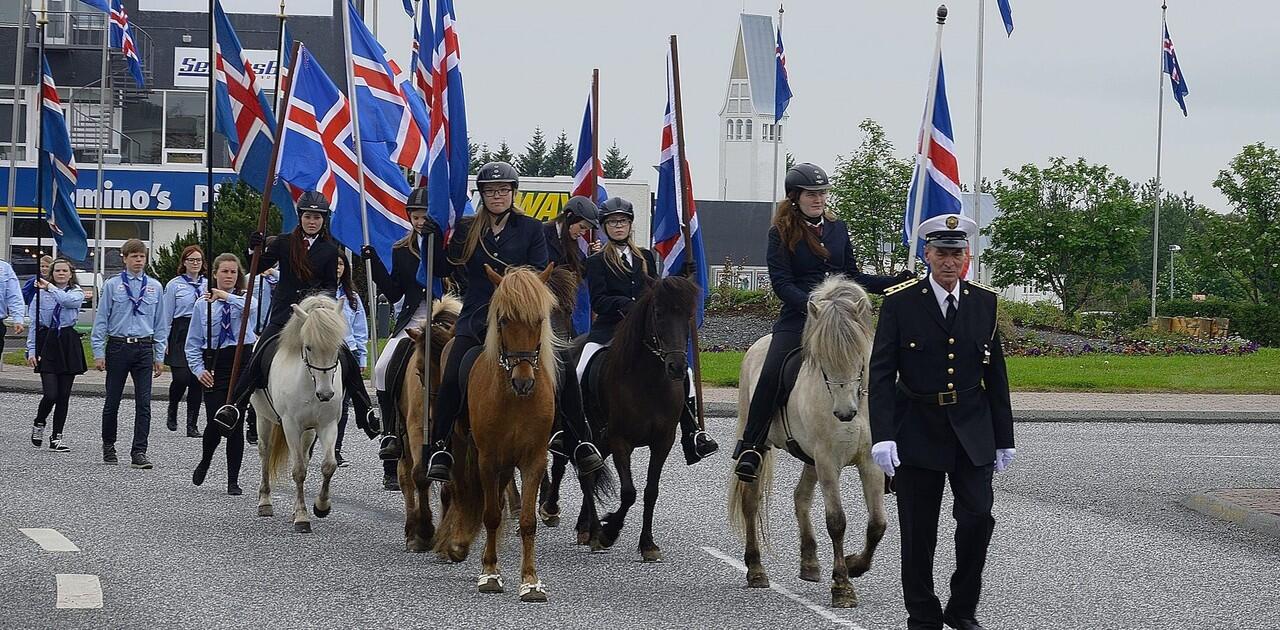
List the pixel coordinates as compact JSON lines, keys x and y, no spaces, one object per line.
{"x":265,"y":510}
{"x":596,"y":546}
{"x":651,"y":555}
{"x":843,"y":597}
{"x":489,"y":584}
{"x":811,"y":573}
{"x":757,"y":580}
{"x":321,"y":513}
{"x":607,"y":538}
{"x":584,"y":538}
{"x":457,"y":553}
{"x":549,"y":518}
{"x":416,"y":545}
{"x":303,"y":527}
{"x":536,"y":593}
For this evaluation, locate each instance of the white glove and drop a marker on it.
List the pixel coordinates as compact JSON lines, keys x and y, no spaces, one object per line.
{"x":885,"y":455}
{"x":1004,"y":458}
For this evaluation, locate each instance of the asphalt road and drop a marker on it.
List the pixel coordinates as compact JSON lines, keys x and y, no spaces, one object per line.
{"x":1089,"y":535}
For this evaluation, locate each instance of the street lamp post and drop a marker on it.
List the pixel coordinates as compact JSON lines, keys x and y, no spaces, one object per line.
{"x":1172,"y":249}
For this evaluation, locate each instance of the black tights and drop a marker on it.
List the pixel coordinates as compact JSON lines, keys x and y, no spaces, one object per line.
{"x":57,"y":396}
{"x":764,"y":399}
{"x":449,"y":398}
{"x":213,"y":434}
{"x":184,"y":382}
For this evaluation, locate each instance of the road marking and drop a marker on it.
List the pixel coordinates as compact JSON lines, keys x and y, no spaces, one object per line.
{"x":1230,"y":456}
{"x":49,"y":539}
{"x":77,"y":590}
{"x":784,"y":591}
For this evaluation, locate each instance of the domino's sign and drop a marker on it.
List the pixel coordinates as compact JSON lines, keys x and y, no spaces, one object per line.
{"x":191,"y":67}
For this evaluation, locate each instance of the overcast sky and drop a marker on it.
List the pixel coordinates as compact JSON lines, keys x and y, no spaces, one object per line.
{"x":1077,"y":78}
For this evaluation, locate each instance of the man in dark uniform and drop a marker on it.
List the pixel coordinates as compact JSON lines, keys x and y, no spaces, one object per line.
{"x":940,"y":408}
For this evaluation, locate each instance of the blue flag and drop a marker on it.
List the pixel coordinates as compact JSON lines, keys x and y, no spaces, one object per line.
{"x":1174,"y":71}
{"x":781,"y":86}
{"x":1006,"y":14}
{"x":408,"y":7}
{"x":58,"y":174}
{"x":122,"y":38}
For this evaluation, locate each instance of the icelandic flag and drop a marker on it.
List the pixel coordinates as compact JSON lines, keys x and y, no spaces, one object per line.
{"x":1174,"y":71}
{"x":781,"y":86}
{"x":319,"y":139}
{"x":58,"y":174}
{"x":408,"y":7}
{"x":668,"y":215}
{"x":1006,"y":14}
{"x":244,"y":117}
{"x":450,"y":158}
{"x":389,"y":110}
{"x":582,"y":165}
{"x":937,"y":153}
{"x":122,"y":38}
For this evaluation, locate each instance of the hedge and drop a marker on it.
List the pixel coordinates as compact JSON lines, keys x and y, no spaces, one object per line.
{"x":1255,"y":322}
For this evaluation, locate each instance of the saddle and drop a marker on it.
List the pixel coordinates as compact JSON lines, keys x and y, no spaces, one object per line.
{"x":397,"y":372}
{"x":264,"y":351}
{"x":594,"y":373}
{"x":786,"y":383}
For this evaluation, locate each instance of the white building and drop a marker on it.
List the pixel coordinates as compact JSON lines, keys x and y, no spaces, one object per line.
{"x":748,"y":134}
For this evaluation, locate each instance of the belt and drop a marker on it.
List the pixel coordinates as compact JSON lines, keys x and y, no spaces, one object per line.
{"x":941,"y":399}
{"x":131,"y":340}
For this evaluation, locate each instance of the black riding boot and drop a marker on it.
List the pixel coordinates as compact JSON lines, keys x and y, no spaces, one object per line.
{"x":249,"y":379}
{"x":353,"y":382}
{"x":695,"y":442}
{"x":577,"y":434}
{"x":390,"y":445}
{"x":750,"y":457}
{"x":439,"y":462}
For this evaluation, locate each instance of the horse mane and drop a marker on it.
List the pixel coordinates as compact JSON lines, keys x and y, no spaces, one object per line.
{"x":324,"y":327}
{"x":629,"y":337}
{"x":523,"y":297}
{"x":564,"y":286}
{"x":841,"y":331}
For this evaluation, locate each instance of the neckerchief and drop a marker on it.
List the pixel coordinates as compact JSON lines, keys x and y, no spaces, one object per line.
{"x":137,"y":302}
{"x":224,"y":332}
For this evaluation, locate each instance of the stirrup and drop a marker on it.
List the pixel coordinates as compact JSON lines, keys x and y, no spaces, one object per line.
{"x":748,"y":470}
{"x":440,"y":466}
{"x":389,"y":448}
{"x":703,"y":445}
{"x":555,"y":445}
{"x":227,"y":417}
{"x":589,"y":462}
{"x":373,"y":420}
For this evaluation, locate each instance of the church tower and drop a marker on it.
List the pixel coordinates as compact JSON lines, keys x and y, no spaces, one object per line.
{"x":747,"y":130}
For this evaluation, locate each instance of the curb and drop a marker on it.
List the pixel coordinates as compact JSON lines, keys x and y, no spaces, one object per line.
{"x":730,"y":410}
{"x":1220,"y":508}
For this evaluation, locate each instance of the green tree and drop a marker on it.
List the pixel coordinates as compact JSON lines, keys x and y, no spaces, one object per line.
{"x":868,"y":192}
{"x":1073,"y":227}
{"x":503,"y":154}
{"x":533,"y":161}
{"x":476,"y":157}
{"x":616,"y":165}
{"x":235,"y":216}
{"x":1245,"y":244}
{"x":560,"y":159}
{"x":791,"y":159}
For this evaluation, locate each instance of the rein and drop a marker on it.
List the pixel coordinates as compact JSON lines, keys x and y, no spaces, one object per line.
{"x":312,"y":369}
{"x":511,"y":360}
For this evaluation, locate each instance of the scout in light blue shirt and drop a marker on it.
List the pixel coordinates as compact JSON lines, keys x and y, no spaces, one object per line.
{"x":226,"y":330}
{"x":59,"y":308}
{"x":130,"y":307}
{"x":12,"y":308}
{"x":357,"y":326}
{"x":181,"y":294}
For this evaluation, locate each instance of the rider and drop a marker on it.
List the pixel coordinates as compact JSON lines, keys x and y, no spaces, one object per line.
{"x":806,"y":243}
{"x":577,"y":218}
{"x":308,"y":260}
{"x":500,"y":236}
{"x":617,"y":276}
{"x":400,"y":283}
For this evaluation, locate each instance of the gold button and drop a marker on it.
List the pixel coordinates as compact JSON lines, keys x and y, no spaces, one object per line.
{"x":951,"y":370}
{"x":913,"y":344}
{"x":952,"y":341}
{"x":951,"y":385}
{"x":966,"y":292}
{"x":951,"y":357}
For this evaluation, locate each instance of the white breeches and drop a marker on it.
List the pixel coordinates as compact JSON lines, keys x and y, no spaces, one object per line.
{"x":422,"y":315}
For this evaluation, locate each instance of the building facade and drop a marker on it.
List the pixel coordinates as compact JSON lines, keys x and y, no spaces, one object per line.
{"x":749,"y":137}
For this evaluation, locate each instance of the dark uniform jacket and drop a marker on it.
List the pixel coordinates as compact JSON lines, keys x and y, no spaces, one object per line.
{"x":402,"y":282}
{"x":555,"y":249}
{"x":322,"y":258}
{"x":612,"y":294}
{"x":794,"y":275}
{"x":521,"y":243}
{"x":917,"y":358}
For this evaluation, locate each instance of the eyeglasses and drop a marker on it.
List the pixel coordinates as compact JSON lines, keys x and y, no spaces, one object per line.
{"x":199,"y":260}
{"x":617,"y":222}
{"x":496,"y":192}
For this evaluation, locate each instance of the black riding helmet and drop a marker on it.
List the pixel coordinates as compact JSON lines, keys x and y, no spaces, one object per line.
{"x":581,"y":209}
{"x":497,"y":173}
{"x":806,"y":176}
{"x":313,"y":201}
{"x":616,"y":205}
{"x":417,"y":199}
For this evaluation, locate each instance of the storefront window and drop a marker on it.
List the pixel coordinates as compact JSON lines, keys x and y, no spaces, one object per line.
{"x":184,"y":121}
{"x":6,"y":126}
{"x":142,"y":133}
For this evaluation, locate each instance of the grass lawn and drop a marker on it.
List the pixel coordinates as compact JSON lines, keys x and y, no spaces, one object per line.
{"x":1257,"y":373}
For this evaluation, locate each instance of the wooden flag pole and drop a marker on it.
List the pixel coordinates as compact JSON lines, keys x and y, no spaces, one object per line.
{"x":685,"y":218}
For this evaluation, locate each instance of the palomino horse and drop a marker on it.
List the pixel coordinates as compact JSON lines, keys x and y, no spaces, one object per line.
{"x":302,"y":403}
{"x":511,"y":392}
{"x":637,"y":402}
{"x":418,"y":528}
{"x":826,"y":414}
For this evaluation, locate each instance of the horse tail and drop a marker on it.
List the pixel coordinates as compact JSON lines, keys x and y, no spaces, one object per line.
{"x":602,"y":484}
{"x":278,"y":456}
{"x":462,"y":520}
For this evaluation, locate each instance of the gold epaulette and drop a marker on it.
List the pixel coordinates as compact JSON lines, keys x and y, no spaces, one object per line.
{"x":984,"y":287}
{"x":898,"y":287}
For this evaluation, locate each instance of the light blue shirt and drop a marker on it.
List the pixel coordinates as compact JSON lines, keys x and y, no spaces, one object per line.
{"x":262,"y":290}
{"x":357,"y":327}
{"x":230,"y":317}
{"x":11,"y":304}
{"x":180,"y":295}
{"x":66,"y":302}
{"x":116,"y":317}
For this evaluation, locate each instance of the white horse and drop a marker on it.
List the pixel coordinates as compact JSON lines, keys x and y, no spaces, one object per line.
{"x":302,"y":403}
{"x":827,"y":415}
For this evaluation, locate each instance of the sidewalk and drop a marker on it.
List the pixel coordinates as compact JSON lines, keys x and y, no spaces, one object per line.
{"x":1254,"y":508}
{"x":722,"y":402}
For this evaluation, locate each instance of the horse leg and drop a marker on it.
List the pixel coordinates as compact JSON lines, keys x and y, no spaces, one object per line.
{"x":513,"y":498}
{"x":842,"y":594}
{"x":494,"y":482}
{"x":649,"y":551}
{"x":588,"y":519}
{"x":301,"y":520}
{"x":810,"y":569}
{"x":751,"y":498}
{"x":873,"y":493}
{"x":531,"y":474}
{"x":327,"y":436}
{"x":612,"y":522}
{"x":264,"y":450}
{"x":549,"y":510}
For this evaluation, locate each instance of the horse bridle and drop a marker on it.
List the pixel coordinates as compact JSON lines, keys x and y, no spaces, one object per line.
{"x":511,"y":360}
{"x":651,"y":341}
{"x":861,"y":381}
{"x":311,"y":369}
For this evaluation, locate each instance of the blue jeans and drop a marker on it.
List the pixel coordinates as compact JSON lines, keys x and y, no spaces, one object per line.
{"x":124,"y":360}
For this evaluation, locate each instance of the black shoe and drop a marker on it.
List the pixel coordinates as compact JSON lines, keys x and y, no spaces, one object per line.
{"x":556,"y":445}
{"x":233,"y":489}
{"x":390,"y":483}
{"x":440,"y":466}
{"x":172,"y":423}
{"x":251,"y":436}
{"x":140,"y":461}
{"x":192,"y":431}
{"x":198,"y":475}
{"x":227,"y":416}
{"x":748,"y":467}
{"x":390,"y":449}
{"x":56,"y":445}
{"x":697,"y":446}
{"x":586,"y":457}
{"x":37,"y":435}
{"x":109,"y":454}
{"x":342,"y":463}
{"x":961,"y":624}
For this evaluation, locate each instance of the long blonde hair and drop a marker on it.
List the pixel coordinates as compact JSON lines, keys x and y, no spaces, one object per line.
{"x":612,"y":253}
{"x":482,"y":222}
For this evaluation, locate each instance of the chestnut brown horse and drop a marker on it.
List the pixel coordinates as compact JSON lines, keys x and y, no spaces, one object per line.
{"x":511,"y":391}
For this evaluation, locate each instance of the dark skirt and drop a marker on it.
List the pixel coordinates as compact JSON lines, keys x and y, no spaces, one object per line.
{"x":175,"y":354}
{"x":60,"y":352}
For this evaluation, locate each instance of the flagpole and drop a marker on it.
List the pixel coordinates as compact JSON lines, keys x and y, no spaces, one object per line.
{"x":977,"y":142}
{"x":1155,"y":241}
{"x":685,"y":218}
{"x":104,"y":132}
{"x":595,"y":134}
{"x":208,"y":159}
{"x":364,"y":206}
{"x":279,"y":61}
{"x":41,"y":22}
{"x":776,"y":120}
{"x":263,"y":209}
{"x":926,"y":139}
{"x":14,"y":129}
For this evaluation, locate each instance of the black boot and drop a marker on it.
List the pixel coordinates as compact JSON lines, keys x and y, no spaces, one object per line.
{"x":251,"y":427}
{"x":390,"y":446}
{"x":439,"y":463}
{"x":695,"y":442}
{"x":171,"y":421}
{"x":587,"y":459}
{"x":750,"y":457}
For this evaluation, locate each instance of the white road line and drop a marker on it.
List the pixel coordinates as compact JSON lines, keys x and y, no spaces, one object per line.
{"x":49,"y":539}
{"x":785,"y":592}
{"x":1230,"y":456}
{"x":77,"y":590}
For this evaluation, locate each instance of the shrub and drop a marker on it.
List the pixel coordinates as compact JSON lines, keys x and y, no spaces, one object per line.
{"x":728,"y":299}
